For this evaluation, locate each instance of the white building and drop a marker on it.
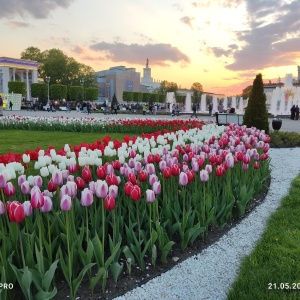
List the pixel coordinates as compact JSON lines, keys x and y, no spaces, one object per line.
{"x":12,"y":69}
{"x":147,"y":81}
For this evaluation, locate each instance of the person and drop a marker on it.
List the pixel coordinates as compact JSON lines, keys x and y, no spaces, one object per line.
{"x":194,"y":109}
{"x":88,"y":107}
{"x":68,"y":107}
{"x":293,"y":112}
{"x":232,"y":110}
{"x":104,"y":107}
{"x":10,"y":105}
{"x":78,"y":107}
{"x":297,"y":112}
{"x":210,"y":107}
{"x":220,"y":108}
{"x":84,"y":108}
{"x":1,"y":106}
{"x":115,"y":108}
{"x":144,"y":109}
{"x":154,"y":109}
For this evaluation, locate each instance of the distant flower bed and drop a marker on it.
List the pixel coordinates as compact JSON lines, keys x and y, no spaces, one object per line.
{"x":96,"y":210}
{"x":101,"y":125}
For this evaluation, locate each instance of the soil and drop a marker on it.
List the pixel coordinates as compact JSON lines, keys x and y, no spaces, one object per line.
{"x":138,"y":277}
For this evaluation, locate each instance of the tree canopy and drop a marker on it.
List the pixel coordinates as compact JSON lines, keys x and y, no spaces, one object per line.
{"x":246,"y":92}
{"x":197,"y":87}
{"x":60,"y":68}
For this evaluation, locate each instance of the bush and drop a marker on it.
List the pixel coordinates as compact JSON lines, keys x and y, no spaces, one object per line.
{"x":280,"y":139}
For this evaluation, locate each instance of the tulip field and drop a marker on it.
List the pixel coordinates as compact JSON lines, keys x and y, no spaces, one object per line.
{"x":93,"y":211}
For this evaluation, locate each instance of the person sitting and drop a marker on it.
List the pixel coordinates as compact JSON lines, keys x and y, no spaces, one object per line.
{"x":232,"y":110}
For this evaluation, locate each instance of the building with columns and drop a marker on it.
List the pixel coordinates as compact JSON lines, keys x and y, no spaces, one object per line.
{"x":12,"y":69}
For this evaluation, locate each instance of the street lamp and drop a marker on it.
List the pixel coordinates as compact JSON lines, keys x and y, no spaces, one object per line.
{"x":82,"y":82}
{"x":48,"y":81}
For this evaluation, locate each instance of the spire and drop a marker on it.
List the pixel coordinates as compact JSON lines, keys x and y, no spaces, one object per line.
{"x":147,"y":64}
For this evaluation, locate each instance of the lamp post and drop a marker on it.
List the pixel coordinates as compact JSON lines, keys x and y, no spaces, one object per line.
{"x":82,"y":82}
{"x":107,"y":86}
{"x":48,"y":81}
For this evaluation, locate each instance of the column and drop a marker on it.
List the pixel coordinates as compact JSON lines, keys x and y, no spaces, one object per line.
{"x":34,"y":76}
{"x":14,"y":74}
{"x":5,"y":78}
{"x":27,"y":86}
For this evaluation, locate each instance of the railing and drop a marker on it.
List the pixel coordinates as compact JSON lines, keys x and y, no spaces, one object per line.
{"x":223,"y":119}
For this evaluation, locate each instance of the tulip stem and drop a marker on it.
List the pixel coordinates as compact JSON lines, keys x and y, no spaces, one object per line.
{"x":87,"y":224}
{"x":103,"y":230}
{"x":138,"y":220}
{"x":21,"y":246}
{"x":69,"y":255}
{"x":39,"y":220}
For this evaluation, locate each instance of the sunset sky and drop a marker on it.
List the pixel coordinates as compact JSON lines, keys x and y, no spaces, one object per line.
{"x":221,"y":44}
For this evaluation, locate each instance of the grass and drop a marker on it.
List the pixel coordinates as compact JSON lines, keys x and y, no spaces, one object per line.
{"x":18,"y":141}
{"x":276,"y":258}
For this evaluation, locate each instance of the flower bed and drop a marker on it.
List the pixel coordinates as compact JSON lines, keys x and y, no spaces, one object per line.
{"x":96,"y":211}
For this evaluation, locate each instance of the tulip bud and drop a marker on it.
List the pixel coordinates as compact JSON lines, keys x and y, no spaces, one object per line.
{"x":101,"y":188}
{"x":37,"y":199}
{"x":9,"y":189}
{"x":27,"y":208}
{"x":86,"y":197}
{"x":15,"y":211}
{"x":2,"y":208}
{"x":109,"y":203}
{"x":204,"y":175}
{"x":156,"y":187}
{"x":80,"y":183}
{"x":150,"y":196}
{"x":66,"y":203}
{"x":135,"y":193}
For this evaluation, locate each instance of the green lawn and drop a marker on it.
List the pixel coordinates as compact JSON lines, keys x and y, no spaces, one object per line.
{"x":18,"y":141}
{"x":274,"y":264}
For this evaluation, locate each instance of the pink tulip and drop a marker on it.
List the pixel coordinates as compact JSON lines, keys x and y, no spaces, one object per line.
{"x":2,"y":208}
{"x":47,"y":204}
{"x":183,"y":179}
{"x":38,"y":181}
{"x":63,"y":191}
{"x":150,"y":168}
{"x":70,"y":178}
{"x":57,"y":177}
{"x":230,"y":161}
{"x":204,"y":175}
{"x":113,"y":191}
{"x":245,"y":166}
{"x":9,"y":189}
{"x":3,"y":180}
{"x":246,"y":159}
{"x":150,"y":196}
{"x":131,"y":163}
{"x":132,"y":153}
{"x":138,"y":166}
{"x":25,"y":188}
{"x":208,"y":168}
{"x":46,"y":193}
{"x":109,"y":203}
{"x":65,"y":174}
{"x":92,"y":187}
{"x":86,"y":197}
{"x":109,"y":169}
{"x":66,"y":203}
{"x":21,"y":179}
{"x":101,"y":188}
{"x":37,"y":199}
{"x":152,"y":178}
{"x":71,"y":189}
{"x":27,"y":208}
{"x":156,"y":187}
{"x":162,"y":165}
{"x":194,"y":165}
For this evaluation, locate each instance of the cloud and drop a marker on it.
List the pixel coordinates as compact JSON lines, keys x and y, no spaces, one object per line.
{"x":273,"y":38}
{"x":34,"y":8}
{"x":187,"y":21}
{"x":18,"y":24}
{"x":158,"y":54}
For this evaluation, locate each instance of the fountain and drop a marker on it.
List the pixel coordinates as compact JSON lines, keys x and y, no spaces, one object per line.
{"x":188,"y":103}
{"x":203,"y":103}
{"x":215,"y":104}
{"x":233,"y":102}
{"x":171,"y":100}
{"x":225,"y":103}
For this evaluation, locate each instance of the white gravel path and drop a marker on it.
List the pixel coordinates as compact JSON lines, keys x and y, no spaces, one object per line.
{"x":210,"y":274}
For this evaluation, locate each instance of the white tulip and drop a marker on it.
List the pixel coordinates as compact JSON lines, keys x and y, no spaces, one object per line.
{"x":44,"y":172}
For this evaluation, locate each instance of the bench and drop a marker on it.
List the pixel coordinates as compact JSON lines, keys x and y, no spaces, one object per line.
{"x":223,"y":119}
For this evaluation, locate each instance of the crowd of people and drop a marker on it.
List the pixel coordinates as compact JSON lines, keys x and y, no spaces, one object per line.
{"x":295,"y":112}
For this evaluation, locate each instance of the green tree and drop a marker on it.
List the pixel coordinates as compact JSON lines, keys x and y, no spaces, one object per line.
{"x":114,"y":101}
{"x":146,"y":97}
{"x":40,"y":91}
{"x":91,"y":93}
{"x":162,"y":98}
{"x":127,"y":96}
{"x":197,"y":87}
{"x":17,"y":87}
{"x":256,"y":112}
{"x":246,"y":92}
{"x":58,"y":91}
{"x":76,"y":93}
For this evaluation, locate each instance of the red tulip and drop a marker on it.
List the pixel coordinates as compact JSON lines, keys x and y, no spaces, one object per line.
{"x":246,"y":159}
{"x":86,"y":174}
{"x":116,"y":165}
{"x":143,"y":176}
{"x":51,"y":186}
{"x":80,"y":183}
{"x":127,"y":188}
{"x":15,"y":211}
{"x":157,"y":158}
{"x":101,"y":173}
{"x":112,"y":179}
{"x":131,"y":177}
{"x":72,"y":167}
{"x":150,"y":159}
{"x":135,"y":193}
{"x":191,"y":175}
{"x":256,"y":165}
{"x":240,"y":156}
{"x":175,"y":170}
{"x":200,"y":161}
{"x":109,"y":203}
{"x":167,"y":172}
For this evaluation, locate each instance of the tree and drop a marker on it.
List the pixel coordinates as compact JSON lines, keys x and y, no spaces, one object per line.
{"x":114,"y":101}
{"x":91,"y":93}
{"x":127,"y":96}
{"x":40,"y":91}
{"x":256,"y":112}
{"x":246,"y":92}
{"x":76,"y":93}
{"x":58,"y":91}
{"x":197,"y":87}
{"x":17,"y":87}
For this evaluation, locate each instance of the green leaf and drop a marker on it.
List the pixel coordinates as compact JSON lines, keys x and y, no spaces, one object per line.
{"x":128,"y":254}
{"x":41,"y":295}
{"x":111,"y":258}
{"x":116,"y":270}
{"x":64,"y":266}
{"x":98,"y":251}
{"x":76,"y":282}
{"x":165,"y":251}
{"x":154,"y":255}
{"x":46,"y":282}
{"x":94,"y":280}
